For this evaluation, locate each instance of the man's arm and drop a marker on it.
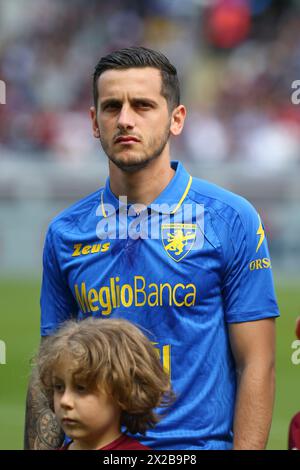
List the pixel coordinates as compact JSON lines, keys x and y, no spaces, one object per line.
{"x":253,"y":347}
{"x":42,"y":431}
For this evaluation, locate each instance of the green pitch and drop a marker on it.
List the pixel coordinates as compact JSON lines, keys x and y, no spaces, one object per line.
{"x":19,"y":329}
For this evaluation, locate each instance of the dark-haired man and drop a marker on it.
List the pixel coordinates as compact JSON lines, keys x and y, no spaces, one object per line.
{"x":180,"y":257}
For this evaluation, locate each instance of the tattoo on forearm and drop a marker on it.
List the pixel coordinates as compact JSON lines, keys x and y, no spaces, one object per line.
{"x":48,"y":430}
{"x":42,"y":431}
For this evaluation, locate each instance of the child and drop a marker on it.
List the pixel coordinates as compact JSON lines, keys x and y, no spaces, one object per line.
{"x":100,"y":375}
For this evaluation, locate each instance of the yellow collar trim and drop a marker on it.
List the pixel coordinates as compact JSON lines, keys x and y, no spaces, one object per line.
{"x":173,"y":211}
{"x":184,"y":195}
{"x":102,"y":206}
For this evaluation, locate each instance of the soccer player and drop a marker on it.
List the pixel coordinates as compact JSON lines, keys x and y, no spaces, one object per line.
{"x":100,"y":375}
{"x":178,"y":256}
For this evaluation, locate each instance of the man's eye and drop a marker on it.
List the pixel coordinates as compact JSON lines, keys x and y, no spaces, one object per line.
{"x":111,"y":106}
{"x":143,"y":104}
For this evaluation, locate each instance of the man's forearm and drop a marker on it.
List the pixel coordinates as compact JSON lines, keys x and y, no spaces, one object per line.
{"x":254,"y":407}
{"x":42,"y":431}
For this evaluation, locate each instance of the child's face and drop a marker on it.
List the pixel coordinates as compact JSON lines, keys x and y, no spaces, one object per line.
{"x":89,"y":417}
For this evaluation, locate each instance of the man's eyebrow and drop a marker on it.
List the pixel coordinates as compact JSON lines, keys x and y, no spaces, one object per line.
{"x":133,"y":100}
{"x":145,"y":100}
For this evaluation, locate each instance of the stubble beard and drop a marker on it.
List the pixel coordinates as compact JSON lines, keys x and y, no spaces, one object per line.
{"x":138,"y":162}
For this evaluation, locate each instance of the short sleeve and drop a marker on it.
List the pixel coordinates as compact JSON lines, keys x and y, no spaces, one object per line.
{"x":57,"y":302}
{"x":248,"y":289}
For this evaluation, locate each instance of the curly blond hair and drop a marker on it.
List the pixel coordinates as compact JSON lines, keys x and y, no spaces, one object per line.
{"x":115,"y":356}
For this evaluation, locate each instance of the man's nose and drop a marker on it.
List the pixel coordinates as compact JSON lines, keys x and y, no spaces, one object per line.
{"x":126,"y":118}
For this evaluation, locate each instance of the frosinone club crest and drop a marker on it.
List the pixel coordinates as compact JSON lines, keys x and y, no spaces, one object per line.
{"x":178,"y":239}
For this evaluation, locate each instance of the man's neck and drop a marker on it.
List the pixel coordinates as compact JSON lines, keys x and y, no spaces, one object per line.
{"x":142,"y":186}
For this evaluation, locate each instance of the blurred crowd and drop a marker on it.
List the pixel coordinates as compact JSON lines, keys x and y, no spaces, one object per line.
{"x":236,"y":59}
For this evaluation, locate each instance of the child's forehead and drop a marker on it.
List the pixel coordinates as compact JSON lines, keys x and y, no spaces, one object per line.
{"x":65,"y":365}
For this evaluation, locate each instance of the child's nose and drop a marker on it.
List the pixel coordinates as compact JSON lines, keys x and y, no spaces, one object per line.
{"x":66,"y":400}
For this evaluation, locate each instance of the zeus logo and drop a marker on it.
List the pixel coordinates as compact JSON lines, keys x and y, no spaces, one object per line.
{"x":80,"y":249}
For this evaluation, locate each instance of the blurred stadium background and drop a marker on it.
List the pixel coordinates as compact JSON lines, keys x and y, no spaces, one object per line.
{"x":237,"y":60}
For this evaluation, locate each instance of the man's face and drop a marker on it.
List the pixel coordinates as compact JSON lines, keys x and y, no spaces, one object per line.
{"x":132,"y":120}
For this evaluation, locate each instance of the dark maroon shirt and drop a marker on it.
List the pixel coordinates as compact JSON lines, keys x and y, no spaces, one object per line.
{"x":122,"y":443}
{"x":294,"y":433}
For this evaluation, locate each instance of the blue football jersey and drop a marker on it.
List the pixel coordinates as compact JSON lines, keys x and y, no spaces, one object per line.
{"x":182,"y":270}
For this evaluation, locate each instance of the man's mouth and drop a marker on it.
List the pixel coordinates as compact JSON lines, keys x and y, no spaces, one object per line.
{"x":128,"y":139}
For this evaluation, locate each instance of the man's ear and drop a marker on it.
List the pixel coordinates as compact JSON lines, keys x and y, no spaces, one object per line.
{"x":93,"y":114}
{"x":177,"y":120}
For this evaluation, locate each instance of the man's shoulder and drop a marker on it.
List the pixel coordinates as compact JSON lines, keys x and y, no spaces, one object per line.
{"x":72,"y":215}
{"x":220,"y":201}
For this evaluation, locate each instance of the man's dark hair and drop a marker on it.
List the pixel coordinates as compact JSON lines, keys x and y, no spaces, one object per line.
{"x":133,"y":57}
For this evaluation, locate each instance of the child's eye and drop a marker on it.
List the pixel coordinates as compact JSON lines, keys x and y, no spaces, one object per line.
{"x":81,"y":388}
{"x":58,"y":387}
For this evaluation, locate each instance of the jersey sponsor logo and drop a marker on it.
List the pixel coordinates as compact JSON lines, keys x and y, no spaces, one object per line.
{"x":79,"y":249}
{"x":178,"y":239}
{"x":138,"y":293}
{"x":262,"y":263}
{"x":261,"y":233}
